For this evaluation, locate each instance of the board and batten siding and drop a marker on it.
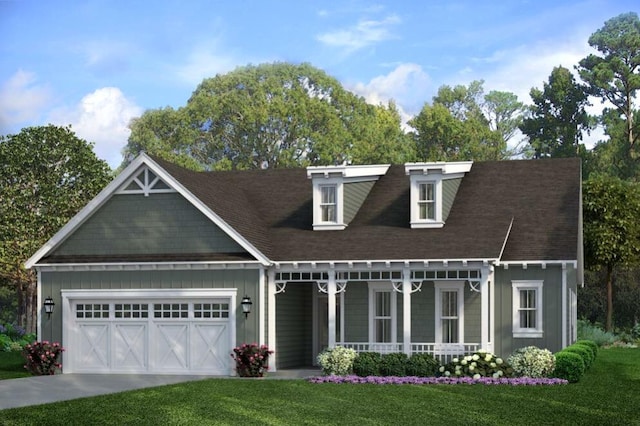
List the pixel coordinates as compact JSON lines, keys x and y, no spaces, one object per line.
{"x":161,"y":223}
{"x":449,"y":191}
{"x":294,"y":318}
{"x":245,"y":281}
{"x":552,"y":326}
{"x":354,"y":195}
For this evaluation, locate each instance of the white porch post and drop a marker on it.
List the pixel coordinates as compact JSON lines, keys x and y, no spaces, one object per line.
{"x":484,"y":308}
{"x":331,"y":307}
{"x":406,"y":311}
{"x":39,"y":306}
{"x":261,"y":303}
{"x":271,"y":307}
{"x":565,"y":328}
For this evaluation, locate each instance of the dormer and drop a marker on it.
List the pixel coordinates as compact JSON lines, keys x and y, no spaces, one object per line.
{"x":339,"y":191}
{"x":433,"y":188}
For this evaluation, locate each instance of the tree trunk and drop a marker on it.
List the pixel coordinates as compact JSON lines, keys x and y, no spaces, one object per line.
{"x":609,"y":324}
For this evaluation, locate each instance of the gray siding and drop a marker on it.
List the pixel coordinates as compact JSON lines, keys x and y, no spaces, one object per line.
{"x":294,"y":334}
{"x":157,"y":224}
{"x":505,"y":343}
{"x":354,"y":195}
{"x":246,"y":281}
{"x":356,"y":312}
{"x":449,"y":191}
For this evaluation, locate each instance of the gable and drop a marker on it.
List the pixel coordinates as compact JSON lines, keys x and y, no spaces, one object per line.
{"x":354,"y":195}
{"x":162,"y":223}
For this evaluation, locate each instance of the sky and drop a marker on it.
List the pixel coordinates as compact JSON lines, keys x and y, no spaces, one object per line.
{"x":95,"y":64}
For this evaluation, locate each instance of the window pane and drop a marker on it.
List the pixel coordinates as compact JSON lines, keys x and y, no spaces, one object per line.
{"x":425,"y":192}
{"x":449,"y":331}
{"x":383,"y":304}
{"x":449,"y":303}
{"x":528,"y":299}
{"x":383,"y":330}
{"x":328,"y":213}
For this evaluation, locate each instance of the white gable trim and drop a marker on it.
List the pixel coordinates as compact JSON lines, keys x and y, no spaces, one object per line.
{"x":115,"y":184}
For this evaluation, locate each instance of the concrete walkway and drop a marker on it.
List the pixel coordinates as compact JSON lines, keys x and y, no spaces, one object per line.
{"x":62,"y":387}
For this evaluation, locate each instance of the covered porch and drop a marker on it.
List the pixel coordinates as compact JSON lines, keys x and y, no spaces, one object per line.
{"x":439,"y":308}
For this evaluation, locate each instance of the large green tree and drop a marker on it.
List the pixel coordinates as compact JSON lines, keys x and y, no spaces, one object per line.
{"x":611,"y":229}
{"x":557,"y":119}
{"x":613,"y":75}
{"x":47,"y":174}
{"x":464,"y":124}
{"x":269,"y":115}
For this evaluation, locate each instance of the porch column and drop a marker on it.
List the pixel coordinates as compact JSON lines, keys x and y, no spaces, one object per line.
{"x":484,"y":308}
{"x":406,"y":311}
{"x":331,"y":307}
{"x":271,"y":308}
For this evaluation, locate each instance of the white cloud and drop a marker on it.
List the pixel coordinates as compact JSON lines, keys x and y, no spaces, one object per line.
{"x":21,"y":99}
{"x":407,"y":85}
{"x":102,"y":117}
{"x":365,"y":33}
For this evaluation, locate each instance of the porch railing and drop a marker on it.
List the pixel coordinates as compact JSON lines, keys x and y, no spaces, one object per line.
{"x":443,"y":352}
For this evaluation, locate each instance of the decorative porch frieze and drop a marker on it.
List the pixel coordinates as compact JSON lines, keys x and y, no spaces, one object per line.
{"x":415,"y":286}
{"x":341,"y":286}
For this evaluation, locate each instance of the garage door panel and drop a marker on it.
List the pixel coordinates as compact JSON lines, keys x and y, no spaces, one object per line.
{"x":93,"y":347}
{"x":170,"y":346}
{"x":130,"y":346}
{"x":209,"y":343}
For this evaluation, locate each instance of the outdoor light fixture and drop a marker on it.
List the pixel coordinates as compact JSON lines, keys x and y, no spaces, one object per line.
{"x":246,"y":305}
{"x":48,"y":306}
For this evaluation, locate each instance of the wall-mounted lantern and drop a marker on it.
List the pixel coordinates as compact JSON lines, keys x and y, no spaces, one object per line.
{"x":246,"y":305}
{"x":49,"y":305}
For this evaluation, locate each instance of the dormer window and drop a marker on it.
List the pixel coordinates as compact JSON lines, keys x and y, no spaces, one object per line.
{"x":339,"y":191}
{"x":328,"y":205}
{"x":433,"y":188}
{"x":426,"y":201}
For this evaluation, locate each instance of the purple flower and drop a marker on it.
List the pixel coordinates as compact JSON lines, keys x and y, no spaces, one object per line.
{"x":392,"y":380}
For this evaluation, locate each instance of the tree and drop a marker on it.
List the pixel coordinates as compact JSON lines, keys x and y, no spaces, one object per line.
{"x":47,"y":174}
{"x":614,"y":76}
{"x":504,"y":112}
{"x":270,"y":115}
{"x":557,"y":120}
{"x":611,"y":229}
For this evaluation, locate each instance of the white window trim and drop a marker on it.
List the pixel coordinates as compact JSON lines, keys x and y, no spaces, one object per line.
{"x":448,"y":286}
{"x":416,"y":221}
{"x":318,"y":224}
{"x":517,"y":286}
{"x":377,"y":287}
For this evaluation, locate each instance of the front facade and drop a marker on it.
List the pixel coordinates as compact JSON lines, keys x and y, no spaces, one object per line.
{"x":440,"y":258}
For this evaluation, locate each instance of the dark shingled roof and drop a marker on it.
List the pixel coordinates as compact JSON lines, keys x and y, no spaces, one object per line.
{"x":272,"y":209}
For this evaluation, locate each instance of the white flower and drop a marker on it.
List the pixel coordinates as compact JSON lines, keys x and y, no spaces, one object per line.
{"x":482,"y":351}
{"x":493,"y":365}
{"x":458,"y":372}
{"x":498,"y":361}
{"x":475,"y":357}
{"x":474,"y":364}
{"x":476,"y":376}
{"x":471,"y":368}
{"x":446,"y":373}
{"x":441,"y":369}
{"x":496,"y":375}
{"x":455,"y":360}
{"x":487,"y":358}
{"x":499,"y":373}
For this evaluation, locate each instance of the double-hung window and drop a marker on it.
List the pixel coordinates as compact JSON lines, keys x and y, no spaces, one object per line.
{"x":527,"y":309}
{"x":426,"y":201}
{"x":449,"y":312}
{"x":328,"y":210}
{"x":382,"y":313}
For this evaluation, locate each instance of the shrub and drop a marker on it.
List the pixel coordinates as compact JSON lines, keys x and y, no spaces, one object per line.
{"x":635,"y":331}
{"x":251,"y":360}
{"x":532,"y":361}
{"x":337,"y":361}
{"x":367,"y":364}
{"x":14,"y":338}
{"x":589,"y":344}
{"x":584,"y":352}
{"x":422,"y":365}
{"x":569,"y":366}
{"x":476,"y":365}
{"x":42,"y":357}
{"x":588,"y":331}
{"x":394,"y":364}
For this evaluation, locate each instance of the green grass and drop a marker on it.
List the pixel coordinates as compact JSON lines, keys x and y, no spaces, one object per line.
{"x":12,"y":365}
{"x":608,"y":394}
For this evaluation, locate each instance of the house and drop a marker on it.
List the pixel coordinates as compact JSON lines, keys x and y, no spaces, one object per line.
{"x":152,"y":276}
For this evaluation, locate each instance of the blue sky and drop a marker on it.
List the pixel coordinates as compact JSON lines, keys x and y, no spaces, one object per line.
{"x":97,"y":64}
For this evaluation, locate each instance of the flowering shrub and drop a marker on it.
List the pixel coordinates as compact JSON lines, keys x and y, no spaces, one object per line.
{"x":532,"y":361}
{"x":412,"y":380}
{"x":14,"y":337}
{"x":251,"y":360}
{"x":337,"y":361}
{"x":477,"y":365}
{"x":42,"y":357}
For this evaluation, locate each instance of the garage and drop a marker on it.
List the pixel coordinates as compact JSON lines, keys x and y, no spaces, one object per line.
{"x":149,"y":331}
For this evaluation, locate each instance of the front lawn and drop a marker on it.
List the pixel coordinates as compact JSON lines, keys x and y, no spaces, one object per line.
{"x":12,"y":365}
{"x":608,"y":394}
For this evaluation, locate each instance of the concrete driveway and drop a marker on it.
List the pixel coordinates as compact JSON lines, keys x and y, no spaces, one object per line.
{"x":45,"y":389}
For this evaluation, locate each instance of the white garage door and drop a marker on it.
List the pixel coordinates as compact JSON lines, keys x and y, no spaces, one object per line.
{"x":159,"y":335}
